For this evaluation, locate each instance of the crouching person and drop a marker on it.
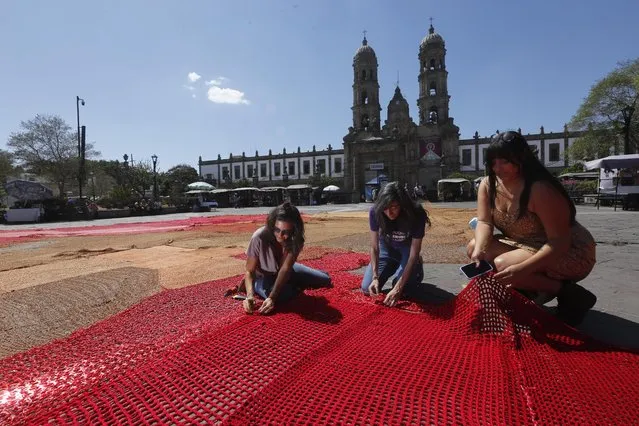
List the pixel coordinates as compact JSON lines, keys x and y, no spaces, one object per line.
{"x":271,"y":269}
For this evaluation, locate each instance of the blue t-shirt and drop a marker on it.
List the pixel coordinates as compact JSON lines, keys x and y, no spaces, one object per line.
{"x":400,"y":231}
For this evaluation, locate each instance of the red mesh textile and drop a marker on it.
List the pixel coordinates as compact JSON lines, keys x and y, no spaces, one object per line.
{"x":330,"y":356}
{"x":9,"y":237}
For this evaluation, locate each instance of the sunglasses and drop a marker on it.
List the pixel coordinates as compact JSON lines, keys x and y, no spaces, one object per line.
{"x":508,"y":136}
{"x":284,"y":232}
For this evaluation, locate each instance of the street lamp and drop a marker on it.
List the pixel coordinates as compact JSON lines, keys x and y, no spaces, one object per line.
{"x":285,"y":176}
{"x":78,"y":101}
{"x":442,"y":165}
{"x":92,"y":184}
{"x":155,"y":177}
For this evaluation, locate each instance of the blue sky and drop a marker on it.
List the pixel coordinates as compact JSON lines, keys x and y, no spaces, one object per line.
{"x":278,"y":74}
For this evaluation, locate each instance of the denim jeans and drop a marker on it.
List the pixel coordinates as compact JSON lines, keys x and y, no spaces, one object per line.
{"x":301,"y":277}
{"x":392,"y":261}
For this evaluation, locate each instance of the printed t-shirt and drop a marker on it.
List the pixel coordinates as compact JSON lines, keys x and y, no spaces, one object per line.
{"x":399,"y":231}
{"x":260,"y":247}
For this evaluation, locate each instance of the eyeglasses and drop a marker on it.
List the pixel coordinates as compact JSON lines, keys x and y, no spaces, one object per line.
{"x":284,"y":232}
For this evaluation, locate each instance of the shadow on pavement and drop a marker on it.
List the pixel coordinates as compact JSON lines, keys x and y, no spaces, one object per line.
{"x":611,"y":329}
{"x":431,"y":293}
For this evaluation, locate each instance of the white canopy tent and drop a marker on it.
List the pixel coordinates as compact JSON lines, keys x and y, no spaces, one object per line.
{"x":614,"y":162}
{"x":611,"y":162}
{"x":200,"y":185}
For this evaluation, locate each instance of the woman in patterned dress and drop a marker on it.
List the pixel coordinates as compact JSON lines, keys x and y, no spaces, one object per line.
{"x":542,"y":250}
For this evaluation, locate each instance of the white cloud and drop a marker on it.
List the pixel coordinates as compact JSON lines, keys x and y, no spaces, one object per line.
{"x":194,"y":96}
{"x":193,"y":77}
{"x":217,"y":81}
{"x":189,"y":88}
{"x":223,"y":95}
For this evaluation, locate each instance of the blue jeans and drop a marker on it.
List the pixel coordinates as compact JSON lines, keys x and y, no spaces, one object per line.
{"x":392,"y":261}
{"x":301,"y":277}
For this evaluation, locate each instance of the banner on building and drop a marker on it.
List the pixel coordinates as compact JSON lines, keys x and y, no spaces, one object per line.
{"x":430,"y":149}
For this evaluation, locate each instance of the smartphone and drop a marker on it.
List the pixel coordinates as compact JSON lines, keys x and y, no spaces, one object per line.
{"x":239,"y":297}
{"x":471,"y":270}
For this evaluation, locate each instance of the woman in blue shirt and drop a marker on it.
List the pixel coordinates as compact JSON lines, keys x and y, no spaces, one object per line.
{"x":397,"y":227}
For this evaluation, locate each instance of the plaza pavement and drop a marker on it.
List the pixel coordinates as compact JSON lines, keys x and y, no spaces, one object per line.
{"x":615,"y":278}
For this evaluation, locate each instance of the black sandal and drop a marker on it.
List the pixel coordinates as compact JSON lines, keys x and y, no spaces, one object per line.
{"x":574,"y":302}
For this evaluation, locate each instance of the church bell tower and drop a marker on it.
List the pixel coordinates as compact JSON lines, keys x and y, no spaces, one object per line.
{"x":366,"y":107}
{"x":433,"y":80}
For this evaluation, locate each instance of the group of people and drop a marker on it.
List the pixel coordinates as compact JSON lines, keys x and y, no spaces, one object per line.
{"x":541,"y":250}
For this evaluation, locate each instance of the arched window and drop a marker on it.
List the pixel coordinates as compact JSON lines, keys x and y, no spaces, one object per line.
{"x":432,"y":89}
{"x":432,"y":64}
{"x":363,"y":74}
{"x":441,"y":63}
{"x":365,"y":122}
{"x":364,"y":98}
{"x":433,"y":115}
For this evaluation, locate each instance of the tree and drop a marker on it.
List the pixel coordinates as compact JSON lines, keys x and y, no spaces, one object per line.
{"x":175,"y":180}
{"x":6,"y":166}
{"x":47,"y":146}
{"x":609,"y":115}
{"x":6,"y":169}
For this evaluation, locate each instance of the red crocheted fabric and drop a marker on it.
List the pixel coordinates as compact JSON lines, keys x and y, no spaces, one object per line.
{"x":221,"y":222}
{"x":333,"y":356}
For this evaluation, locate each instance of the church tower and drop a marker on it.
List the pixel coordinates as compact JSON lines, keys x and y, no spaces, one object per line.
{"x":366,"y":107}
{"x":433,"y":80}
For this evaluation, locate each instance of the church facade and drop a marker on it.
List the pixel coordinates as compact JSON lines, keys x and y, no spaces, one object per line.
{"x":401,"y":149}
{"x":397,"y":149}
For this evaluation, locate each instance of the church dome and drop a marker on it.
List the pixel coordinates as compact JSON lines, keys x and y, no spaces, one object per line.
{"x":365,"y":53}
{"x":432,"y":38}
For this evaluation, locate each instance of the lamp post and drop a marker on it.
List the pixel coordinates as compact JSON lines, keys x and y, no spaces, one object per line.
{"x":78,"y":101}
{"x":285,"y":176}
{"x":442,"y":165}
{"x":154,"y":158}
{"x":92,"y":184}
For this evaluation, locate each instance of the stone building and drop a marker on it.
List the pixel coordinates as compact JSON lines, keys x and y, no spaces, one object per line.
{"x":550,"y":148}
{"x":274,"y":169}
{"x":401,"y":149}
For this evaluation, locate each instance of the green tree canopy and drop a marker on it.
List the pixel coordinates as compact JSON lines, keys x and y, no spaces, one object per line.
{"x":608,"y":116}
{"x":47,"y":146}
{"x":175,"y":180}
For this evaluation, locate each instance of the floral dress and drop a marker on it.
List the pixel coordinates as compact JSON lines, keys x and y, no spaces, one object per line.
{"x":527,"y":232}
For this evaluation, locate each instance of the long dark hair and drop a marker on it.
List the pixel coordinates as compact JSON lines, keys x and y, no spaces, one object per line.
{"x":287,"y":212}
{"x":410,"y":211}
{"x":513,"y":147}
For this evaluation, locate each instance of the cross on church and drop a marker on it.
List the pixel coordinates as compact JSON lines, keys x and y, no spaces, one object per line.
{"x":364,"y":33}
{"x":431,"y":20}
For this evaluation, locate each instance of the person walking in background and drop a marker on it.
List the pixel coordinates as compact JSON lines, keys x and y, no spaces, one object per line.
{"x":543,"y":250}
{"x":397,"y":226}
{"x":271,"y":269}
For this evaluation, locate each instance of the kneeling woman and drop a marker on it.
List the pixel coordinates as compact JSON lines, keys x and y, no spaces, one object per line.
{"x":397,"y":226}
{"x":271,"y":268}
{"x":542,"y":248}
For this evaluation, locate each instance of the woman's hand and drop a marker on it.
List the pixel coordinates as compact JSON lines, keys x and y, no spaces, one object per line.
{"x":478,"y":255}
{"x":392,"y":297}
{"x":267,"y":306}
{"x":510,"y":276}
{"x":249,"y":304}
{"x":373,"y":289}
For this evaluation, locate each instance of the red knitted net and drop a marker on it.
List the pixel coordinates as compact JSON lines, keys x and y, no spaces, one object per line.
{"x":330,"y":356}
{"x":210,"y":223}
